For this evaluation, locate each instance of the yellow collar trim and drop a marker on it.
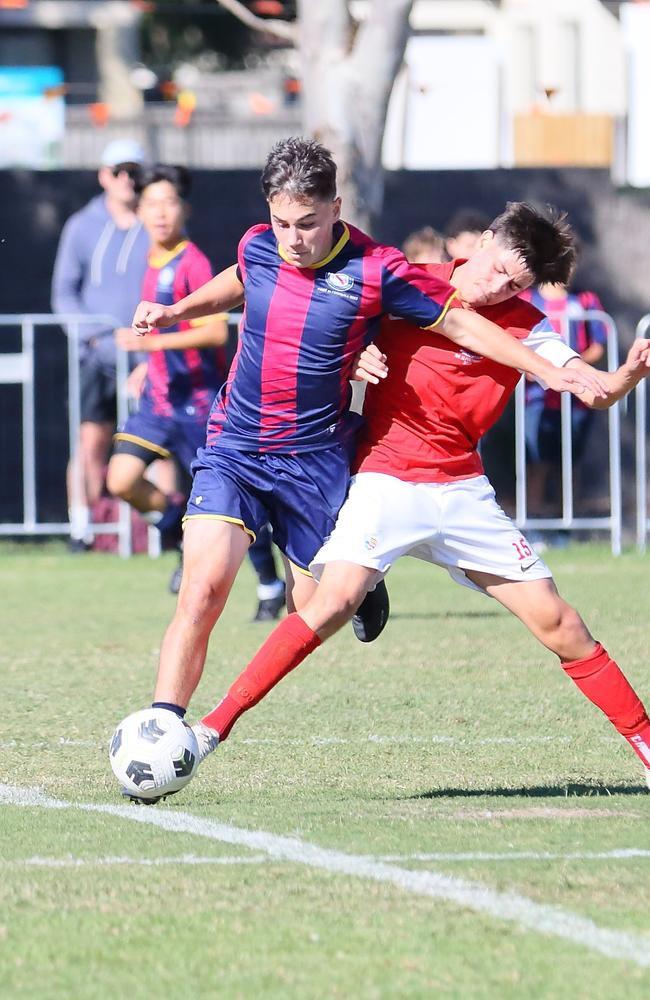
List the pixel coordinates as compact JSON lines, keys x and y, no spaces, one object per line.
{"x":161,"y":259}
{"x":336,"y":249}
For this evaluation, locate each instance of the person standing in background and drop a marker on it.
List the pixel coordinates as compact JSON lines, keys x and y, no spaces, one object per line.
{"x":424,"y":246}
{"x":463,"y":232}
{"x":100,"y":264}
{"x":588,"y":338}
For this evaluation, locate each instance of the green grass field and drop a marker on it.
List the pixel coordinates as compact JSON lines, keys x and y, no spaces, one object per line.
{"x":437,"y":814}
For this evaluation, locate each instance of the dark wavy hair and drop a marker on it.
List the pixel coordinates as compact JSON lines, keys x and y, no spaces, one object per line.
{"x":300,"y":168}
{"x":542,"y":236}
{"x":178,"y":176}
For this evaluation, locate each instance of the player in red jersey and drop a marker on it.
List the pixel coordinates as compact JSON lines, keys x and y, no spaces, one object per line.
{"x":420,"y":490}
{"x":315,"y":290}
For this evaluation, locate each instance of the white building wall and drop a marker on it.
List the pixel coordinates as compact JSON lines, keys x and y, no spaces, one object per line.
{"x":553,"y":55}
{"x":635,"y":19}
{"x":575,"y":48}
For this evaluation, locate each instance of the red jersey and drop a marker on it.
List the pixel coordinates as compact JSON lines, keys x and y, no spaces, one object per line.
{"x":423,"y":421}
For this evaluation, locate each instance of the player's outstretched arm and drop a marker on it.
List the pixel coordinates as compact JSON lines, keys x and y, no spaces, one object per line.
{"x":635,"y":367}
{"x":213,"y":333}
{"x":221,"y":294}
{"x":474,"y":332}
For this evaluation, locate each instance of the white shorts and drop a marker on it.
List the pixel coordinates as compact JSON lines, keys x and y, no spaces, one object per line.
{"x":456,"y":525}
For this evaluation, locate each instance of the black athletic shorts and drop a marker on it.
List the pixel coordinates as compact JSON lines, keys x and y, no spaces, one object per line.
{"x":98,"y":393}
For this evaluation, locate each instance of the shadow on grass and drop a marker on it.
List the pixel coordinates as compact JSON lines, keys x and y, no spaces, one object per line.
{"x":534,"y":791}
{"x":429,"y":615}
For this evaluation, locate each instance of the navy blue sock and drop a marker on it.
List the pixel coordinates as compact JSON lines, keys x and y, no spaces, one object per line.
{"x":176,"y":709}
{"x":261,"y":556}
{"x":170,"y":524}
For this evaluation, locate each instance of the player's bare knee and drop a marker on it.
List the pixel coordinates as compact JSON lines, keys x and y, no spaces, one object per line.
{"x":338,"y":605}
{"x":565,"y":633}
{"x":330,"y":608}
{"x":116,"y":484}
{"x":200,"y":601}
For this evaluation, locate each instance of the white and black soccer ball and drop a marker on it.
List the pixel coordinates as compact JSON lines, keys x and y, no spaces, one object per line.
{"x":153,"y":753}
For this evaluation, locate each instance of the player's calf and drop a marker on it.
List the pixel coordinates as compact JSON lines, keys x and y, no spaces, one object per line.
{"x":341,"y":590}
{"x":602,"y":681}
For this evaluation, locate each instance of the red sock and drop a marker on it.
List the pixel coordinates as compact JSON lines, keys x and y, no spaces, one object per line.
{"x":601,"y":680}
{"x":285,"y":648}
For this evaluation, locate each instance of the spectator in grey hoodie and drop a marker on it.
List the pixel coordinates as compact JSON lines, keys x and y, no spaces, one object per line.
{"x":100,"y":263}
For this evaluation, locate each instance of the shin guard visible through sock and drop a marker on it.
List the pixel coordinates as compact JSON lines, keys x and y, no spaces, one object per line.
{"x":286,"y":647}
{"x":601,"y":681}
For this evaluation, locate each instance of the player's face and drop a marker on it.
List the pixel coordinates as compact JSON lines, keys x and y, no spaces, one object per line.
{"x":119,"y":183}
{"x":162,"y":213}
{"x":493,"y":274}
{"x":304,"y":229}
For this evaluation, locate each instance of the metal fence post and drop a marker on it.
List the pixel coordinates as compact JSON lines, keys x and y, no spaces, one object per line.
{"x":640,"y":412}
{"x":568,"y":520}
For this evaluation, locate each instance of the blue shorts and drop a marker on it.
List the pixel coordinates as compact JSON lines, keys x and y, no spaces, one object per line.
{"x":149,"y":436}
{"x":544,"y":432}
{"x":300,"y":495}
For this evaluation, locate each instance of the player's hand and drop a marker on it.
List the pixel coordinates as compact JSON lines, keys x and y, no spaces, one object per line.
{"x":151,"y":316}
{"x":577,"y":381}
{"x":127,"y":339}
{"x":638,"y":357}
{"x":135,"y":381}
{"x":370,"y":365}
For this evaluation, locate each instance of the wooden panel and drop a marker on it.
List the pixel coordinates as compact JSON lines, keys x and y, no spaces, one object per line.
{"x":545,"y":140}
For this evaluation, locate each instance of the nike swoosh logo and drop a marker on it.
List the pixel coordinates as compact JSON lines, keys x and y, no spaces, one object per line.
{"x":524,"y":569}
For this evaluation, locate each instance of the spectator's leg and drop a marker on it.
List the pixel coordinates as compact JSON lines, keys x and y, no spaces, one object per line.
{"x":270,"y":588}
{"x":85,"y":480}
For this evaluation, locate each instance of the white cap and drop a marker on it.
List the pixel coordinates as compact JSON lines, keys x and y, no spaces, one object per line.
{"x":122,"y":151}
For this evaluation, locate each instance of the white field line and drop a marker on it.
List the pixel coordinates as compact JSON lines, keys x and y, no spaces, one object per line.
{"x":409,"y":740}
{"x":110,"y":861}
{"x":509,"y":906}
{"x":618,"y":854}
{"x":325,"y":741}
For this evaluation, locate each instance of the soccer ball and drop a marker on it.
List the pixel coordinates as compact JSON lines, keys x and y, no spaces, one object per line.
{"x":153,"y":753}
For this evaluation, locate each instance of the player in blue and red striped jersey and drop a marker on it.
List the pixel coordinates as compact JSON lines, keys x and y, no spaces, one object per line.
{"x":315,"y":290}
{"x":186,"y":368}
{"x":186,"y":364}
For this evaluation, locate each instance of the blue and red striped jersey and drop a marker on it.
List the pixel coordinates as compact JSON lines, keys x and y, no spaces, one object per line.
{"x":180,"y":381}
{"x":288,"y":387}
{"x":566,"y":315}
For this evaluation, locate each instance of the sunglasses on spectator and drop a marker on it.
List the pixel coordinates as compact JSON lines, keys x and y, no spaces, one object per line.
{"x":132,"y":169}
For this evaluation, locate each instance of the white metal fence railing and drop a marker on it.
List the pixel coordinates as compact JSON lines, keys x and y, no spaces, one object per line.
{"x":208,"y":141}
{"x":568,"y":519}
{"x":17,"y":368}
{"x":641,"y":474}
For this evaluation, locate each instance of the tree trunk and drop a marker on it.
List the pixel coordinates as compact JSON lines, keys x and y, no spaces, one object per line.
{"x":348,"y":77}
{"x":348,"y":72}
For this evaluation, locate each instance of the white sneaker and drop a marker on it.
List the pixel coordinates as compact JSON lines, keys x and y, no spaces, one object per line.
{"x":207,"y":739}
{"x":647,"y":777}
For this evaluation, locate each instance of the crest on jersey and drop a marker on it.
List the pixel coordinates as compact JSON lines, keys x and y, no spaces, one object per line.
{"x":339,"y":281}
{"x":166,"y":277}
{"x":467,"y":357}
